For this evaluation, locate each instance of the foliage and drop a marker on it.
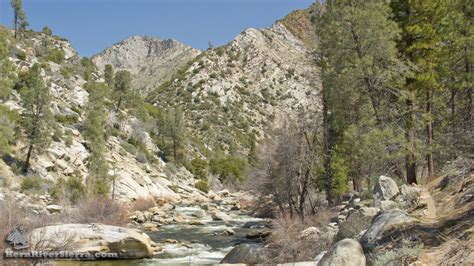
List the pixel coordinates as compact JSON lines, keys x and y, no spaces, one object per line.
{"x":55,"y":55}
{"x":101,"y":210}
{"x":19,"y":17}
{"x":98,"y":181}
{"x":8,"y":121}
{"x":231,"y":168}
{"x":71,"y":189}
{"x":31,"y":183}
{"x":36,"y":116}
{"x":202,"y":185}
{"x":199,"y":168}
{"x":122,"y":86}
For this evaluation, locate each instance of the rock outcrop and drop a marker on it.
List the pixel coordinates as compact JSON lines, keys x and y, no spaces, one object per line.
{"x":92,"y":238}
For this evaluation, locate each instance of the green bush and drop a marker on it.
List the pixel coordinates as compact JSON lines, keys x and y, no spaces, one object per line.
{"x":202,"y":185}
{"x":230,"y":167}
{"x":199,"y":168}
{"x":55,"y":55}
{"x":66,"y":119}
{"x":31,"y":183}
{"x":129,"y":148}
{"x":71,"y":188}
{"x":58,"y":134}
{"x":21,"y":55}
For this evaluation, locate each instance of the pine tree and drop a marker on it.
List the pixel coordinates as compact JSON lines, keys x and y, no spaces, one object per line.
{"x":36,"y":116}
{"x":109,"y":76}
{"x":421,"y":24}
{"x":122,"y":86}
{"x":361,"y":75}
{"x":98,"y":180}
{"x":19,"y":16}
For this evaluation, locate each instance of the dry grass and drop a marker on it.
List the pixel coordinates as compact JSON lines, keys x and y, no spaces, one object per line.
{"x":101,"y":210}
{"x":286,"y":243}
{"x":143,"y":204}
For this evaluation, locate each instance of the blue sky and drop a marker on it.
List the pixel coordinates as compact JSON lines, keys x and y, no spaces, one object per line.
{"x":92,"y":25}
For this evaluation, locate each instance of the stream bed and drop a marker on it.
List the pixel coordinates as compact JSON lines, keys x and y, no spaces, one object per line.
{"x":201,"y":244}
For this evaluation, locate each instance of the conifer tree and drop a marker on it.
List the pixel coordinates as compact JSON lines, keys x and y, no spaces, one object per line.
{"x":94,"y":132}
{"x":36,"y":116}
{"x":19,"y":16}
{"x":109,"y":76}
{"x":122,"y":86}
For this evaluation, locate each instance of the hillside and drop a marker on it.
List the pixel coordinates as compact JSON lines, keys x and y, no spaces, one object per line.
{"x":68,"y":153}
{"x":151,"y":60}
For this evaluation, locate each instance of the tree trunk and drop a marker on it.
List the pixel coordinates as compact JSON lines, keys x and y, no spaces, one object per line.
{"x":410,"y":162}
{"x":429,"y":137}
{"x":26,"y":166}
{"x":327,"y":149}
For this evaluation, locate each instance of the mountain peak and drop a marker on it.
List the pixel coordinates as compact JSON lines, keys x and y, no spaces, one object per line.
{"x":151,"y":58}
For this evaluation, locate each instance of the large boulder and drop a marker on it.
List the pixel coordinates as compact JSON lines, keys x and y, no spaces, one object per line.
{"x":92,"y":238}
{"x":409,"y":195}
{"x":382,"y":225}
{"x":385,"y":188}
{"x":347,"y":252}
{"x":246,"y":254}
{"x":356,"y":222}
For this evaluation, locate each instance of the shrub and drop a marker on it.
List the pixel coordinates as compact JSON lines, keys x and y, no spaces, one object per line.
{"x":57,"y":134}
{"x":287,"y":244}
{"x":230,"y":167}
{"x":55,"y":55}
{"x":143,"y":204}
{"x":202,"y":185}
{"x":21,"y":55}
{"x":199,"y":168}
{"x":71,"y":189}
{"x":101,"y":210}
{"x":31,"y":183}
{"x":400,"y":256}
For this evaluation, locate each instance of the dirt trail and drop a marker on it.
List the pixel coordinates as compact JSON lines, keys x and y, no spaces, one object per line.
{"x":430,"y":213}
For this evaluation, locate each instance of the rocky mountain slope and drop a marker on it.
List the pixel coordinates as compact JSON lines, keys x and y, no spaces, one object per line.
{"x":68,"y":153}
{"x":151,"y":60}
{"x":230,"y":94}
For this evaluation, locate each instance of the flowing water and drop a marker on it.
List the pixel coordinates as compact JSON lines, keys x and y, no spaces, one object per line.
{"x":197,"y":244}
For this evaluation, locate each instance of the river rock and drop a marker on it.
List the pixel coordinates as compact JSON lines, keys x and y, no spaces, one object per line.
{"x":138,"y":216}
{"x":383,"y":223}
{"x":196,"y":222}
{"x":246,"y":254}
{"x":356,"y":222}
{"x":150,"y":226}
{"x":93,"y":238}
{"x":199,"y":214}
{"x":228,"y":232}
{"x":220,"y":216}
{"x":347,"y":252}
{"x":386,"y":188}
{"x":254,"y":234}
{"x":179,"y":219}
